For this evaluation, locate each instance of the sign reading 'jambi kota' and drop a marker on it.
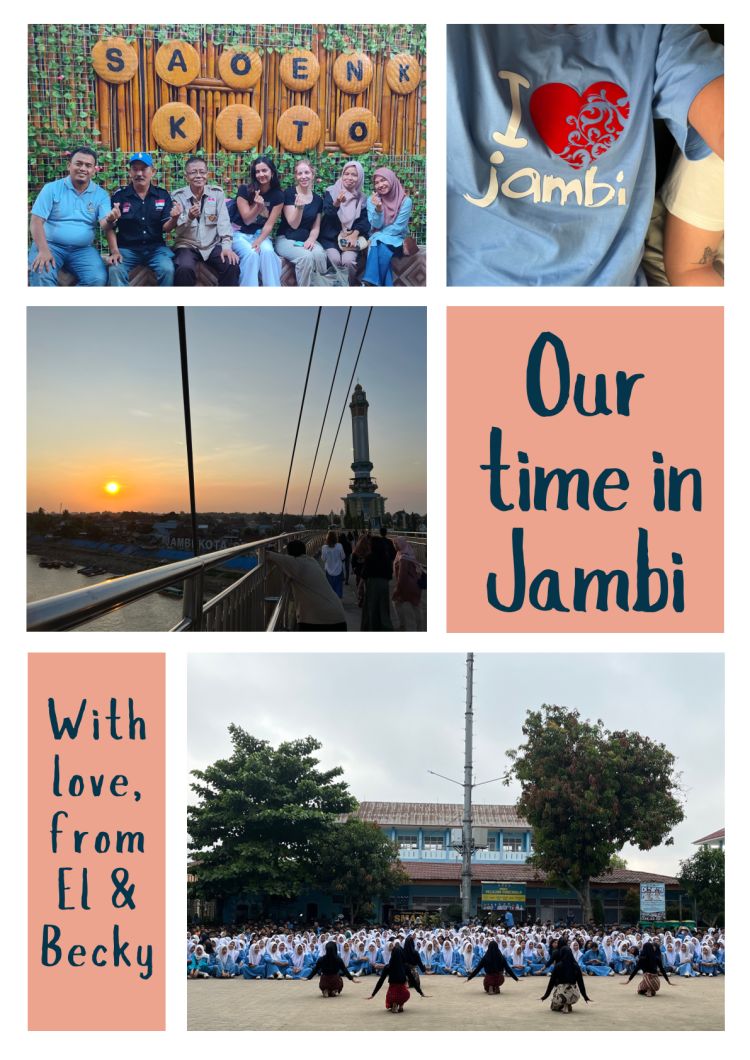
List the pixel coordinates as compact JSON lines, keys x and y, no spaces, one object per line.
{"x":178,"y":128}
{"x":585,"y":470}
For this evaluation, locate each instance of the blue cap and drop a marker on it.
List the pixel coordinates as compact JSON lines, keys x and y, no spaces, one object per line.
{"x":141,"y":156}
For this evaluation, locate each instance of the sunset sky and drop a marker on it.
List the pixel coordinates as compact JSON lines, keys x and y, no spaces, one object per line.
{"x":105,"y":406}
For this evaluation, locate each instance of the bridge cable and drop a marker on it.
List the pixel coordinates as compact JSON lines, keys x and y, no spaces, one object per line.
{"x":299,"y":419}
{"x":325,"y":413}
{"x":343,"y":410}
{"x":188,"y":426}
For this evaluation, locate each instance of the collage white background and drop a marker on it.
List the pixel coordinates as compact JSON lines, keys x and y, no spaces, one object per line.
{"x":15,"y":643}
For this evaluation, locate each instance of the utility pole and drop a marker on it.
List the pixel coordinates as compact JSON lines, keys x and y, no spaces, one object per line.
{"x":468,"y":845}
{"x":466,"y":836}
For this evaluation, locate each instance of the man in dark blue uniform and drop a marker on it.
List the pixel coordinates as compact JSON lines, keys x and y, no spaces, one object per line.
{"x":141,"y":214}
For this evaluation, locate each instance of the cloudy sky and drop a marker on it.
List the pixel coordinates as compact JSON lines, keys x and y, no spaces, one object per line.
{"x":105,"y":404}
{"x":388,"y":719}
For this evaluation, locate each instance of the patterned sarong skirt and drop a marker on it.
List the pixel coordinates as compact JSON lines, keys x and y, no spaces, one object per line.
{"x":649,"y":984}
{"x":332,"y":984}
{"x":563,"y":995}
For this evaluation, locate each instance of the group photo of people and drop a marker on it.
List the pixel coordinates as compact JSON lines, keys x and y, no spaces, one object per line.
{"x":243,"y":240}
{"x":205,"y":156}
{"x":564,"y":958}
{"x":381,"y":575}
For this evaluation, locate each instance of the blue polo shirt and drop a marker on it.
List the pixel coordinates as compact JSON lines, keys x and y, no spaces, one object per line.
{"x":551,"y":167}
{"x":71,"y":218}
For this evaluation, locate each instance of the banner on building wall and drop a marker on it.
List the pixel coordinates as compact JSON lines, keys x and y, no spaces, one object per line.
{"x":653,"y":901}
{"x":503,"y":895}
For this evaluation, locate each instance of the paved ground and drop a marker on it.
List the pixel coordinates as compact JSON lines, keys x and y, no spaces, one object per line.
{"x":237,"y":1004}
{"x":354,"y":613}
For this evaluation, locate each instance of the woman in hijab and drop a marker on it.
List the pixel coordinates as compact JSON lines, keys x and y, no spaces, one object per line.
{"x":594,"y":961}
{"x":253,"y":966}
{"x":566,"y":983}
{"x":344,"y":227}
{"x":407,"y":595}
{"x":225,"y":966}
{"x":199,"y":965}
{"x":331,"y":969}
{"x":301,"y":962}
{"x":650,"y":964}
{"x":412,"y":959}
{"x":446,"y":960}
{"x":388,"y":211}
{"x":495,"y":968}
{"x":398,"y":974}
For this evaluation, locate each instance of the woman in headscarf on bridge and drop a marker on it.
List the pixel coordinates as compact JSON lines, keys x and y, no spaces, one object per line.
{"x":331,"y":970}
{"x":407,"y":596}
{"x":398,"y":974}
{"x":650,"y":964}
{"x":566,"y":983}
{"x":495,"y":968}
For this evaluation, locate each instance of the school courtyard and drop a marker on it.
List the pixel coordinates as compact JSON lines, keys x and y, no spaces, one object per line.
{"x":453,"y":1005}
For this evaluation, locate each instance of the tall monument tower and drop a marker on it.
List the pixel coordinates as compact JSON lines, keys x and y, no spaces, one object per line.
{"x":363,"y":502}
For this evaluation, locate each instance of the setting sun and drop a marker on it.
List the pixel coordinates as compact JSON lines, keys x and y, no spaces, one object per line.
{"x":112,"y":488}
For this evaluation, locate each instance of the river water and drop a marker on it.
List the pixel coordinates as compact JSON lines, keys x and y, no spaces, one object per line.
{"x":152,"y":613}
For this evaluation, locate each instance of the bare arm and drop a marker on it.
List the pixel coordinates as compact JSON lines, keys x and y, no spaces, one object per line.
{"x":114,"y":251}
{"x":690,"y":254}
{"x":248,"y":211}
{"x":313,"y":237}
{"x":706,"y":115}
{"x":268,"y":226}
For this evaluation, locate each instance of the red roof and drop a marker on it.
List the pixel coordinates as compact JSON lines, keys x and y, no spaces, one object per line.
{"x":708,"y":838}
{"x":438,"y":814}
{"x":451,"y":870}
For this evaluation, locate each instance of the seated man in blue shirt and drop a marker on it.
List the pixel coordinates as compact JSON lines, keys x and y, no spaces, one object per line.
{"x":64,"y":221}
{"x":140,"y":215}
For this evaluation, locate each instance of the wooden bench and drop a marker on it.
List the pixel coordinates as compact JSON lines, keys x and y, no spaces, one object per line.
{"x":408,"y":271}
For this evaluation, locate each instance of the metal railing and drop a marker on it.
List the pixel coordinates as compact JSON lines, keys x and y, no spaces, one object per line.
{"x":260,"y":599}
{"x":508,"y":857}
{"x":250,"y":599}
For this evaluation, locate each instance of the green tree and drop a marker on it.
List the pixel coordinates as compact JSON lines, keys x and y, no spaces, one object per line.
{"x":597,"y":911}
{"x":702,"y":876}
{"x":262,"y":817}
{"x":360,"y":862}
{"x":587,"y":792}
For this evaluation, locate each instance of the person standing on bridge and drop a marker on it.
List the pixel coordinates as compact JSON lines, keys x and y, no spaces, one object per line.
{"x":317,"y":606}
{"x":407,"y":596}
{"x":377,"y":573}
{"x":334,"y":560}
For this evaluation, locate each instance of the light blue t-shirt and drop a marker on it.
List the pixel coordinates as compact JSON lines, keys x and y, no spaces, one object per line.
{"x":71,"y":218}
{"x":551,"y":160}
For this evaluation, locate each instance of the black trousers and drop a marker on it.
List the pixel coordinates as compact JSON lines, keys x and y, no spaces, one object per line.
{"x":186,"y":261}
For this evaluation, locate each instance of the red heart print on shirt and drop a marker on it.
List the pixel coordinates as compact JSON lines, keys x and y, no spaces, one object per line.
{"x":579,"y":128}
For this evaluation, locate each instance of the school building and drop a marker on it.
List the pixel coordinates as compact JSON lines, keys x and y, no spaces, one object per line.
{"x":714,"y":841}
{"x":427,"y":836}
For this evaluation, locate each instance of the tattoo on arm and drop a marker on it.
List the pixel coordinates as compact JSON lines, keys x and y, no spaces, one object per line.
{"x":707,"y":258}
